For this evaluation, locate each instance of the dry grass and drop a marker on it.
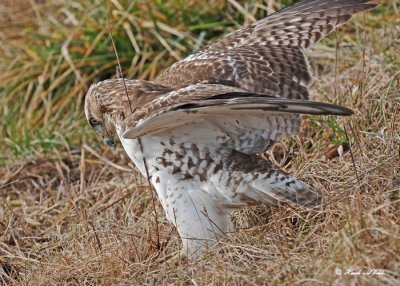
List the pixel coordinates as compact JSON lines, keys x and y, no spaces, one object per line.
{"x":76,"y":215}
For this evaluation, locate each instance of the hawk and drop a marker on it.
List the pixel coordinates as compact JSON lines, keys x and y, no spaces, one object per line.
{"x":197,"y":129}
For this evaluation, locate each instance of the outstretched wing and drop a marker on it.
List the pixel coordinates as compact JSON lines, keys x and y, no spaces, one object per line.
{"x":244,"y":121}
{"x":266,"y":57}
{"x":300,"y":25}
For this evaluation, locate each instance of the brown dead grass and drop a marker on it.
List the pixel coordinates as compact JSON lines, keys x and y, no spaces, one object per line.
{"x":82,"y":218}
{"x":74,"y":220}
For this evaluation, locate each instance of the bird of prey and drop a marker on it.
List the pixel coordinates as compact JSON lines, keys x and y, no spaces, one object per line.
{"x":197,"y":129}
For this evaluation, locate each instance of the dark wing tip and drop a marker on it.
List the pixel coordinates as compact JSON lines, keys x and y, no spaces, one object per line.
{"x":343,"y":111}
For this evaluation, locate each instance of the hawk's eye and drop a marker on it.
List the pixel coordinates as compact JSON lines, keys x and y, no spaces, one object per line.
{"x":93,"y":121}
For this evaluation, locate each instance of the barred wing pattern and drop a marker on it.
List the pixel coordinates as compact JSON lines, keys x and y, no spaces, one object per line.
{"x":268,"y":56}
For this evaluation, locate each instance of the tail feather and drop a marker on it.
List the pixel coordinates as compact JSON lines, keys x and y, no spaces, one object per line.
{"x":288,"y":189}
{"x":264,"y":183}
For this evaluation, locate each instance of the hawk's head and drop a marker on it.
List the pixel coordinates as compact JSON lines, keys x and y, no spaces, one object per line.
{"x":108,"y":103}
{"x":103,"y":108}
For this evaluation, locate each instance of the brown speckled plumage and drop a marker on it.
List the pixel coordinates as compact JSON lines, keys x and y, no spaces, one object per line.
{"x":205,"y":118}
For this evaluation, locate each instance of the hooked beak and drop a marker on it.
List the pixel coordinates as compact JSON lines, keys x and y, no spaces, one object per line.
{"x":109,"y":140}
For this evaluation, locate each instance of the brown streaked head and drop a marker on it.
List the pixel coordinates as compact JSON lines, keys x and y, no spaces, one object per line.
{"x":107,"y":104}
{"x":99,"y":110}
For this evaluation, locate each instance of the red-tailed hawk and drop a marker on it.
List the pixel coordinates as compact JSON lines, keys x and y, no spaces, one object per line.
{"x":204,"y":119}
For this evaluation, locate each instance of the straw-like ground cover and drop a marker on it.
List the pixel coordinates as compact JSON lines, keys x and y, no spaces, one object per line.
{"x":73,"y":212}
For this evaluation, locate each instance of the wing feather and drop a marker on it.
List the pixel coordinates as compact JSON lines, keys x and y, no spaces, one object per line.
{"x":267,"y":56}
{"x":233,"y":112}
{"x":300,"y":25}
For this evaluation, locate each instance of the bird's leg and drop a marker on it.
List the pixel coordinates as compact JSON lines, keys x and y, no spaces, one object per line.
{"x":199,"y":220}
